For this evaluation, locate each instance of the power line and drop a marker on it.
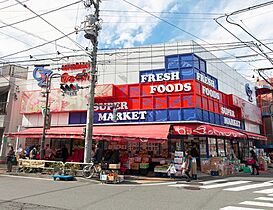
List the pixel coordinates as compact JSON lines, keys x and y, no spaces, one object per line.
{"x":175,"y":26}
{"x":19,"y":40}
{"x":3,"y":1}
{"x":164,"y":12}
{"x":40,"y":45}
{"x":247,"y":45}
{"x":45,"y":13}
{"x":257,"y":6}
{"x":2,"y":8}
{"x":110,"y":53}
{"x":76,"y":43}
{"x":34,"y":35}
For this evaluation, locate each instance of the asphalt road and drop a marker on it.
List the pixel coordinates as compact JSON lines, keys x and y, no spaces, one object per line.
{"x":28,"y":193}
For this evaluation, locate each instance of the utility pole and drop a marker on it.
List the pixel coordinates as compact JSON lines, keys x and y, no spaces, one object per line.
{"x":91,"y":28}
{"x":46,"y":113}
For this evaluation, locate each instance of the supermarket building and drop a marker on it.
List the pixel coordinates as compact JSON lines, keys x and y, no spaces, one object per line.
{"x":168,"y":97}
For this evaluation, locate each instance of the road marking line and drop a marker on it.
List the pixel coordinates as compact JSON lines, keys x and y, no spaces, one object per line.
{"x":270,"y":195}
{"x":179,"y":185}
{"x":224,"y":184}
{"x":159,"y":183}
{"x":214,"y":181}
{"x":247,"y":187}
{"x":238,"y":208}
{"x":255,"y":203}
{"x":267,"y":191}
{"x":264,"y":199}
{"x":25,"y":177}
{"x":143,"y":185}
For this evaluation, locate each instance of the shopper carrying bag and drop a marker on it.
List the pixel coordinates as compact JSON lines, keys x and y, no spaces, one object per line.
{"x":255,"y":162}
{"x":187,"y":165}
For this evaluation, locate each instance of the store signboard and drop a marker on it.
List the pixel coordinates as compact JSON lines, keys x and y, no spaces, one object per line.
{"x":75,"y":66}
{"x":32,"y":101}
{"x":40,"y":74}
{"x":232,"y":122}
{"x":180,"y":67}
{"x":210,"y":92}
{"x":206,"y":79}
{"x":249,"y":111}
{"x":182,"y":91}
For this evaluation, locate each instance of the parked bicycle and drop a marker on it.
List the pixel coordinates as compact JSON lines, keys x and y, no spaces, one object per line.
{"x":91,"y":169}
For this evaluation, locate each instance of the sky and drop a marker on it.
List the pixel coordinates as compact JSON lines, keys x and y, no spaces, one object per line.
{"x":129,"y":23}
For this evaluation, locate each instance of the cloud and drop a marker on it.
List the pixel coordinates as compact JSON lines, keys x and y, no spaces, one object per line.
{"x":132,"y":26}
{"x":124,"y":26}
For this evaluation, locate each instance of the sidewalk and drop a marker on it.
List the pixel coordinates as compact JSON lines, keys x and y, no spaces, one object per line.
{"x":137,"y":179}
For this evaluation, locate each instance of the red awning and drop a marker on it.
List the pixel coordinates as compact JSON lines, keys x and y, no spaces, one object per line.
{"x":140,"y":133}
{"x":205,"y":129}
{"x":255,"y":136}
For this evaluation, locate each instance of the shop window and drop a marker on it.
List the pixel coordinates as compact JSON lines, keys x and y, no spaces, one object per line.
{"x":77,"y":117}
{"x":221,"y":147}
{"x":245,"y":150}
{"x":212,"y":147}
{"x":228,"y":149}
{"x":203,"y":147}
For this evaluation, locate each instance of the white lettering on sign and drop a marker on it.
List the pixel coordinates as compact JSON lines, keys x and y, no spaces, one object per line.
{"x":202,"y":78}
{"x":160,"y":77}
{"x":171,"y":88}
{"x":232,"y":122}
{"x":211,"y":93}
{"x":110,"y":106}
{"x":137,"y":115}
{"x":226,"y":111}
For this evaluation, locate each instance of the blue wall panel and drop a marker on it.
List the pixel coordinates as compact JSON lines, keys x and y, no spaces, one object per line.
{"x":175,"y":115}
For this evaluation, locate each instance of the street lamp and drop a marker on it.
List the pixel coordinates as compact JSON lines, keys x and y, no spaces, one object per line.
{"x":46,"y":123}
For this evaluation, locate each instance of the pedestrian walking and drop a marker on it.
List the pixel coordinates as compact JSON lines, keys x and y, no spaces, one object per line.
{"x":255,"y":162}
{"x":188,"y":165}
{"x":10,"y":159}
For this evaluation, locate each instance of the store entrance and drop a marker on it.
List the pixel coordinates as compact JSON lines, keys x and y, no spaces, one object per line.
{"x":197,"y":147}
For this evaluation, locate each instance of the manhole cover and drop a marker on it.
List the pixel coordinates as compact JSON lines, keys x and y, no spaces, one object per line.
{"x":192,"y":188}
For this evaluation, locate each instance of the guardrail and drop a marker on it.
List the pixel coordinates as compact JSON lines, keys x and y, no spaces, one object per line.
{"x":50,"y":167}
